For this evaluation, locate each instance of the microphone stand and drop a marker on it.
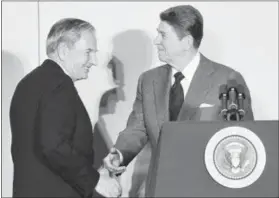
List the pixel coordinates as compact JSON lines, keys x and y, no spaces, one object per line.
{"x":234,"y":111}
{"x":223,"y":96}
{"x":237,"y":112}
{"x":233,"y":115}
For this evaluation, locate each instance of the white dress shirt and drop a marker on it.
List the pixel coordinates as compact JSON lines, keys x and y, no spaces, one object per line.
{"x":188,"y":73}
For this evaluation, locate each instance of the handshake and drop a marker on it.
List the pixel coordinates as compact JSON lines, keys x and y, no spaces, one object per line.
{"x":109,"y":185}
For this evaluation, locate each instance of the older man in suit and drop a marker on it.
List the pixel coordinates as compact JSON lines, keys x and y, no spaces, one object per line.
{"x":51,"y":130}
{"x":174,"y":91}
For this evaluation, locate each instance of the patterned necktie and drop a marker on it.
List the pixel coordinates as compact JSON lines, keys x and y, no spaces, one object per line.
{"x":176,"y":97}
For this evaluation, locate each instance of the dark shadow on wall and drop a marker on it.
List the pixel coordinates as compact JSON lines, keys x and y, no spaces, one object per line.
{"x":102,"y":142}
{"x":132,"y":55}
{"x":12,"y":73}
{"x":134,"y":48}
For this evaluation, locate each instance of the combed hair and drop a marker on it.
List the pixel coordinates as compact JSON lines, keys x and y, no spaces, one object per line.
{"x":66,"y":30}
{"x":185,"y":19}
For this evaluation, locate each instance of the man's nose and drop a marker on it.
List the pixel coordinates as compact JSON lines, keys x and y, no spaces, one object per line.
{"x":93,"y":61}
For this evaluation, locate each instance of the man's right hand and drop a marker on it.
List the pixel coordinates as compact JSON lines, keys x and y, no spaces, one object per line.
{"x":112,"y":162}
{"x":108,"y":186}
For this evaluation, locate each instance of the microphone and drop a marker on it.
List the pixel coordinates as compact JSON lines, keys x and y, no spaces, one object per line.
{"x":232,"y":92}
{"x":232,"y":102}
{"x":223,"y":96}
{"x":241,"y":97}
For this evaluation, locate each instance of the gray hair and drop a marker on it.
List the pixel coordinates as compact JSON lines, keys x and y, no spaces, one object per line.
{"x":66,"y":30}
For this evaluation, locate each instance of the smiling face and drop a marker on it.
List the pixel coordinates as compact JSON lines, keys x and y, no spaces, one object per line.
{"x":81,"y":56}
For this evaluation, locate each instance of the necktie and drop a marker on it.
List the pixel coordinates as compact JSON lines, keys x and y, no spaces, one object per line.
{"x":176,"y":97}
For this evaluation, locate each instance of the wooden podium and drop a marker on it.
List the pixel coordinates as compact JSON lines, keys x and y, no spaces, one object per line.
{"x":180,"y":169}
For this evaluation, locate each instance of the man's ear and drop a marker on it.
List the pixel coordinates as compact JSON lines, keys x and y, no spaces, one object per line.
{"x":188,"y":42}
{"x":62,"y":51}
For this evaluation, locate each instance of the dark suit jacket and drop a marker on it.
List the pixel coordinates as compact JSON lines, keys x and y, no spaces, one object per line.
{"x":51,"y":137}
{"x":150,"y":109}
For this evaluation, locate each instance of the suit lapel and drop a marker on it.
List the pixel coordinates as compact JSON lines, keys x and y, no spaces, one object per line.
{"x":198,"y":89}
{"x":162,"y":84}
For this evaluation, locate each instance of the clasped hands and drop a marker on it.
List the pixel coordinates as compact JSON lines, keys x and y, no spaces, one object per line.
{"x":109,"y":185}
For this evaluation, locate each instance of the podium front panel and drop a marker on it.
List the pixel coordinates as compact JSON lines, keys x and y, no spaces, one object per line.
{"x":180,"y":169}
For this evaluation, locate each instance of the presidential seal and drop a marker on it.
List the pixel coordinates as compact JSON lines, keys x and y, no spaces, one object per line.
{"x":235,"y":157}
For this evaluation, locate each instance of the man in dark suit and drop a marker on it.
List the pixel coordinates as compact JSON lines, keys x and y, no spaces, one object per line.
{"x":175,"y":91}
{"x":52,"y":135}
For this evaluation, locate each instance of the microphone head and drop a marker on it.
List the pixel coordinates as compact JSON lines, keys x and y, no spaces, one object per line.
{"x":240,"y":89}
{"x":222,"y":90}
{"x":232,"y":84}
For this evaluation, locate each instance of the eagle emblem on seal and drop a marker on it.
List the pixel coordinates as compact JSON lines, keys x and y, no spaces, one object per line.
{"x":235,"y":157}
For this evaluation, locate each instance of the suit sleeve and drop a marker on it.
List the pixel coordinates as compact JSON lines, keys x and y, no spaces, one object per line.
{"x":57,"y":130}
{"x":248,"y":101}
{"x":134,"y":137}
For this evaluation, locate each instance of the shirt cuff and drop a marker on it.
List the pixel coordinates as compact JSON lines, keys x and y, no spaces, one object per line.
{"x":120,"y":155}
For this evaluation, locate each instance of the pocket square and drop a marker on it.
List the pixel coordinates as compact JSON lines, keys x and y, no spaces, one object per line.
{"x":203,"y":105}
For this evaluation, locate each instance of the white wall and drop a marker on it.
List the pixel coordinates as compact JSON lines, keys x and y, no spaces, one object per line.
{"x":19,"y":56}
{"x":243,"y":35}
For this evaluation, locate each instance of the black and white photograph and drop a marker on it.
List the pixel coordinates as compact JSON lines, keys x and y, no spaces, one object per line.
{"x":139,"y":99}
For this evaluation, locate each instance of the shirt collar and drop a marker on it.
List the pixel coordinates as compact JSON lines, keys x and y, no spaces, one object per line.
{"x":190,"y":69}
